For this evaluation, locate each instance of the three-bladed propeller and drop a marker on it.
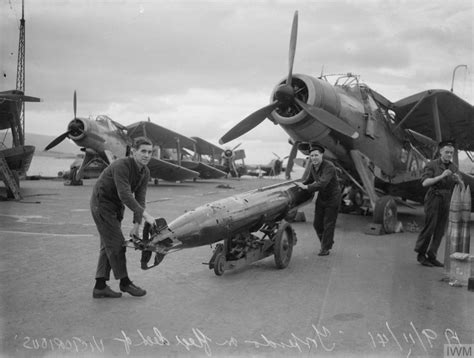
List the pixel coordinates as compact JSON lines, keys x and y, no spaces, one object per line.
{"x":75,"y":128}
{"x":285,"y":96}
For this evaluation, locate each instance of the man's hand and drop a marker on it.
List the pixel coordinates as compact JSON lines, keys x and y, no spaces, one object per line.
{"x":301,"y":185}
{"x":148,"y":218}
{"x":458,"y":179}
{"x":135,"y":230}
{"x":446,"y":173}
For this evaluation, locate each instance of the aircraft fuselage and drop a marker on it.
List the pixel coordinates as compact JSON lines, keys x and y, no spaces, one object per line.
{"x":392,"y":159}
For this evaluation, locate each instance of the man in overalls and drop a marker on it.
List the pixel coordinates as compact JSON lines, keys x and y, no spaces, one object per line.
{"x":440,"y":176}
{"x":321,"y":177}
{"x":123,"y":183}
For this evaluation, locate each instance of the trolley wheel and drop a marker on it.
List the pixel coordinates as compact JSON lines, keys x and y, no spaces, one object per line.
{"x":385,"y":213}
{"x":283,"y":246}
{"x":219,"y":263}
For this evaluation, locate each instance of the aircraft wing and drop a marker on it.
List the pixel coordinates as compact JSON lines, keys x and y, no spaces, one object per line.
{"x":205,"y":171}
{"x":164,"y":137}
{"x":17,"y":96}
{"x":456,"y":116}
{"x":170,"y":172}
{"x":9,"y":106}
{"x":204,"y":147}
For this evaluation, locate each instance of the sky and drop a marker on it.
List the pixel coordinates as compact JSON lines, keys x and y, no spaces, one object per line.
{"x":199,"y":67}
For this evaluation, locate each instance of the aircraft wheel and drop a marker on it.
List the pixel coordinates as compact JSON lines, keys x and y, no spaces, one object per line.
{"x":284,"y":241}
{"x":219,"y":263}
{"x":385,"y":213}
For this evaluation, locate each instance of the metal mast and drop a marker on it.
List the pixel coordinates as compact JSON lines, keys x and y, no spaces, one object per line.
{"x":20,"y":78}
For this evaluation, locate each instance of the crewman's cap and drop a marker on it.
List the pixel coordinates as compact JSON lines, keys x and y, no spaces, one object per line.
{"x":446,"y":143}
{"x":316,"y":146}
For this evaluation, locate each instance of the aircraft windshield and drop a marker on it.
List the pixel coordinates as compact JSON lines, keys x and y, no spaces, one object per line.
{"x":106,"y":121}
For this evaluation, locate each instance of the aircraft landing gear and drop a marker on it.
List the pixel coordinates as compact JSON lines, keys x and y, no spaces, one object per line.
{"x":72,"y":180}
{"x":385,"y":213}
{"x":353,"y":201}
{"x":245,"y":248}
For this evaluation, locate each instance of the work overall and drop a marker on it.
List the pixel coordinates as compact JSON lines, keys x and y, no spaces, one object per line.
{"x":436,"y":208}
{"x":121,"y":184}
{"x":324,"y":180}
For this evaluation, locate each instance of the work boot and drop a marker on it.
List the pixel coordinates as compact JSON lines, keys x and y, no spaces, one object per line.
{"x":423,"y":260}
{"x":133,"y":290}
{"x":434,"y":262}
{"x":106,"y":292}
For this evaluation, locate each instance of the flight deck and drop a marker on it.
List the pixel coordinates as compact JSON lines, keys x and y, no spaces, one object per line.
{"x":368,"y":298}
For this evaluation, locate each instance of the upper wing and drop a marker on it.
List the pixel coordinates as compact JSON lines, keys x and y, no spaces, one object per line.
{"x":205,"y":171}
{"x":9,"y":107}
{"x":169,"y":171}
{"x":17,"y":96}
{"x":203,"y":147}
{"x":456,"y":116}
{"x":166,"y":138}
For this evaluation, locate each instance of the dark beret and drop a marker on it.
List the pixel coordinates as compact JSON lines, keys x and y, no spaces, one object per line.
{"x":446,"y":143}
{"x":316,"y":146}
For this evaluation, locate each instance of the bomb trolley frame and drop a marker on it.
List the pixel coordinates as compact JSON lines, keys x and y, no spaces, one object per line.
{"x":245,"y":248}
{"x":235,"y":252}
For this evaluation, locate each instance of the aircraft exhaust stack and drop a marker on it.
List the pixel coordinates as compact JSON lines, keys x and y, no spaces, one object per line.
{"x":235,"y":220}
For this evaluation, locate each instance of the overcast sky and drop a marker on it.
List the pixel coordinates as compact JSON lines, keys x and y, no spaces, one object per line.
{"x":199,"y":67}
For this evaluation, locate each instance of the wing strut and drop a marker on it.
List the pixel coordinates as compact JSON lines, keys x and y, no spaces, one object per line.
{"x":411,"y":111}
{"x":367,"y":177}
{"x":437,"y":124}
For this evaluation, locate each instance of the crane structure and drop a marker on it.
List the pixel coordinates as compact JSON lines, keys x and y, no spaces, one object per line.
{"x":18,"y":133}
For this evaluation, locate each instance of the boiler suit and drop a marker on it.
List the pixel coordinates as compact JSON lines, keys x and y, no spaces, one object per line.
{"x":122,"y":182}
{"x":324,"y":181}
{"x":436,"y":207}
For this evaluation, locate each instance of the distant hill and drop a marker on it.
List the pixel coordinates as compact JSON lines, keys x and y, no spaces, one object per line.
{"x":65,"y":149}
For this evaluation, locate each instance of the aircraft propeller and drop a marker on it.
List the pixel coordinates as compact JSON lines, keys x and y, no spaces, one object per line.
{"x":75,"y":128}
{"x":285,"y":96}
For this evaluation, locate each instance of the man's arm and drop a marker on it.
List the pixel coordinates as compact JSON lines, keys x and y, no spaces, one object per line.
{"x":429,"y":178}
{"x":434,"y":180}
{"x":327,"y":173}
{"x":140,"y":196}
{"x":121,"y":178}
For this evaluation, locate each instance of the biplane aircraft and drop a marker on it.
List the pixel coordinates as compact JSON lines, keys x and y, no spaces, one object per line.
{"x":273,"y":168}
{"x":380,"y":146}
{"x":224,"y":159}
{"x":173,"y":148}
{"x":105,"y":140}
{"x":18,"y":156}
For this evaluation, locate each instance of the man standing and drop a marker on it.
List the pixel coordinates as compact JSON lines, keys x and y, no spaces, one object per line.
{"x":122,"y":183}
{"x":440,"y":176}
{"x":321,"y":176}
